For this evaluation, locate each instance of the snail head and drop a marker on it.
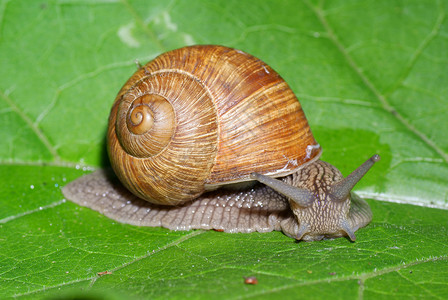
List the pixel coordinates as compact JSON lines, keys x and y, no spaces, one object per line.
{"x":320,"y":199}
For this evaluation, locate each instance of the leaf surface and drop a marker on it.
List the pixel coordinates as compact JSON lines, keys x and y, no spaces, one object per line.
{"x":370,"y":75}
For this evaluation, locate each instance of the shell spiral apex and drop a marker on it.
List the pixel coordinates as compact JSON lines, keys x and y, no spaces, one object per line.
{"x":148,"y":117}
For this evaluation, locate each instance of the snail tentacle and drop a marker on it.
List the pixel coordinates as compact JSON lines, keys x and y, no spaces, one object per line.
{"x":300,"y":196}
{"x":341,"y":190}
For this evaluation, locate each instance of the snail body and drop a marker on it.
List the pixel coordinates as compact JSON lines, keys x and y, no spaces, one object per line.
{"x":203,"y":117}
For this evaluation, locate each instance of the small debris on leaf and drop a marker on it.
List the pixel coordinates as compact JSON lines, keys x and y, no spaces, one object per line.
{"x":250,"y":280}
{"x":104,"y":273}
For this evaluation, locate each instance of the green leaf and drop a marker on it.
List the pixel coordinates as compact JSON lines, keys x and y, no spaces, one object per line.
{"x":370,"y":75}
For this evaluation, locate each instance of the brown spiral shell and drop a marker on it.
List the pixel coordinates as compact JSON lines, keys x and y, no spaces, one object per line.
{"x":202,"y":116}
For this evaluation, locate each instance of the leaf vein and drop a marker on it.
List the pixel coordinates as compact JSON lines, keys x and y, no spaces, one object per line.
{"x":368,"y":83}
{"x":34,"y":128}
{"x":140,"y":22}
{"x":51,"y":205}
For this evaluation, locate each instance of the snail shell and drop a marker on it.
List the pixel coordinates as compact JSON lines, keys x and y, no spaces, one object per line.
{"x":200,"y":117}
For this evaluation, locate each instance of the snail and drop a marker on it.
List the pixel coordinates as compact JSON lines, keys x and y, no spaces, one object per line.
{"x":209,"y":137}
